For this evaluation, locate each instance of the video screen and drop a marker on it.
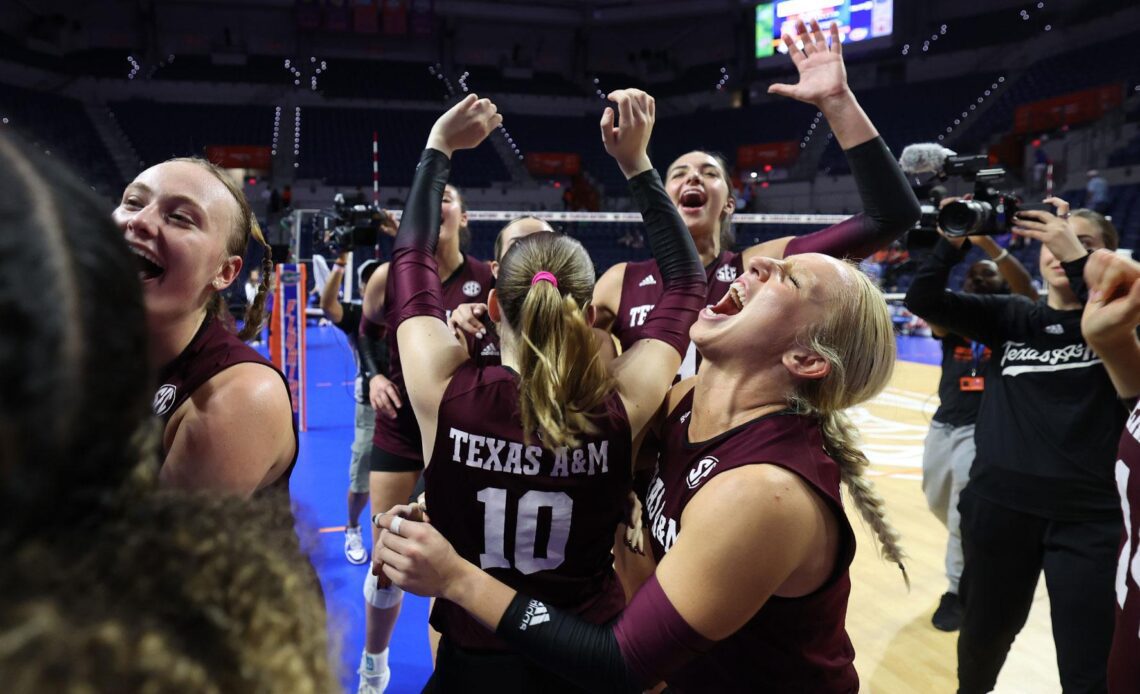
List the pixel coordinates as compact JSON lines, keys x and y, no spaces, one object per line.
{"x":858,"y":21}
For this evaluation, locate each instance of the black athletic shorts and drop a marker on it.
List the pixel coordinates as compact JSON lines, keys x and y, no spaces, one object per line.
{"x":383,"y":461}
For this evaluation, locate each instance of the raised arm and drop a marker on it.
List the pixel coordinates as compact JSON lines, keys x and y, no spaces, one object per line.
{"x":330,"y":298}
{"x":1011,"y":269}
{"x":645,"y":372}
{"x":1111,"y":317}
{"x":889,"y":205}
{"x":429,"y":353}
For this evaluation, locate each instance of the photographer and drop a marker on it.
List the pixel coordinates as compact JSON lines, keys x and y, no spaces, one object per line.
{"x":1041,"y":493}
{"x":370,"y":354}
{"x":949,"y":448}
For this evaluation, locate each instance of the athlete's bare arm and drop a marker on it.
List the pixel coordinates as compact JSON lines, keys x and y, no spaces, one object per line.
{"x":234,"y":434}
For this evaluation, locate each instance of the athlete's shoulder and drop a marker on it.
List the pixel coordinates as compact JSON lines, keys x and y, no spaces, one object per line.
{"x":245,"y":390}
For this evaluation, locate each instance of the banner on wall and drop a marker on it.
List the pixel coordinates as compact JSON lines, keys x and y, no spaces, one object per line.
{"x":756,"y":156}
{"x":553,"y":163}
{"x":240,"y":156}
{"x":1067,"y":109}
{"x":287,"y":337}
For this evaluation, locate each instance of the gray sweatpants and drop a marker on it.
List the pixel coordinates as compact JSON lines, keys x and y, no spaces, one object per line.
{"x":946,"y":460}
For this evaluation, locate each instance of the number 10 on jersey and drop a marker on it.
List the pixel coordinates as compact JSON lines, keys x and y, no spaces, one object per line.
{"x":526,"y":529}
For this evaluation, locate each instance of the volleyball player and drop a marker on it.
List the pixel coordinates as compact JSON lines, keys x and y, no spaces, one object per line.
{"x":228,"y":421}
{"x":699,"y":187}
{"x":397,"y":451}
{"x":1041,"y":495}
{"x":1109,"y":323}
{"x":744,"y":513}
{"x":530,"y":461}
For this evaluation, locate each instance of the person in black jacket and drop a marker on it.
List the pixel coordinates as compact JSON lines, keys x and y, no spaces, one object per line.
{"x":948,"y":451}
{"x":1041,"y":494}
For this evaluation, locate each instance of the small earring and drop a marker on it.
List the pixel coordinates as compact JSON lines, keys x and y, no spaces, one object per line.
{"x":217,"y":284}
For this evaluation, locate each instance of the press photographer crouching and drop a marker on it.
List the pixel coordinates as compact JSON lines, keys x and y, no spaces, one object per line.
{"x":948,"y":452}
{"x":1041,"y":493}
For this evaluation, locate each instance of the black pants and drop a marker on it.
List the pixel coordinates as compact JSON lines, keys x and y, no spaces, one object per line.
{"x":459,"y":670}
{"x":1005,"y":552}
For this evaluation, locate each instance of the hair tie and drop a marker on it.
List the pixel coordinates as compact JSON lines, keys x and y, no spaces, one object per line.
{"x":544,"y":276}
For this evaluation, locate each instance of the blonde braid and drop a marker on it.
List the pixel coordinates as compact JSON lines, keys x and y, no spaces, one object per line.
{"x":840,"y":437}
{"x":857,"y":340}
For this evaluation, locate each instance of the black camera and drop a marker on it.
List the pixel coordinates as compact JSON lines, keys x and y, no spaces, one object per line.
{"x":990,"y":212}
{"x":345,"y":226}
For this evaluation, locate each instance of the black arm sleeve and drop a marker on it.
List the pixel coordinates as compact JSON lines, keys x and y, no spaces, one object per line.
{"x":890,"y":208}
{"x":586,"y":654}
{"x":981,"y":317}
{"x":373,"y":350}
{"x":1075,"y":271}
{"x":419,"y":224}
{"x":888,"y":200}
{"x":668,"y":237}
{"x":414,"y":288}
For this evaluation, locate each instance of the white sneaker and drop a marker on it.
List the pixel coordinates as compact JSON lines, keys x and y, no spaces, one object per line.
{"x":371,"y":681}
{"x":354,"y":550}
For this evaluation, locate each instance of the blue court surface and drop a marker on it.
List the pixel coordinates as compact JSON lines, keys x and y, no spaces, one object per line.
{"x":320,"y":486}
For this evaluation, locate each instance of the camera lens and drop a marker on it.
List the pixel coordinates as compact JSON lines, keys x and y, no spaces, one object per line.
{"x":964,"y":217}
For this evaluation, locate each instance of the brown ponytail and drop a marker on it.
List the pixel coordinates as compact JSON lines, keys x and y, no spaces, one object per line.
{"x":561,"y":378}
{"x":857,"y":340}
{"x":245,"y":226}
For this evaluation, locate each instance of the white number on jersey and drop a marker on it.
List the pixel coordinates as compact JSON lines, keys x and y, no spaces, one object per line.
{"x":526,"y":529}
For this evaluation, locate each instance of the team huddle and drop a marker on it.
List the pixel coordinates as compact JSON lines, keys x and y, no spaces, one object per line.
{"x":631,"y":481}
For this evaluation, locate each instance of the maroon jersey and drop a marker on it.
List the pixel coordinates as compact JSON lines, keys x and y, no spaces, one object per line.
{"x":791,"y":644}
{"x":213,"y":350}
{"x":642,"y":287}
{"x":1124,"y":660}
{"x":470,"y":283}
{"x":540,"y":520}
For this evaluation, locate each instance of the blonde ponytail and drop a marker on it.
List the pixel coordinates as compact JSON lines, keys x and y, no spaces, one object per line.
{"x":562,"y":380}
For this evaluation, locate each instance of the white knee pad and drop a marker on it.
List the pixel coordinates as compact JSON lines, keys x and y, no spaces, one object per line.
{"x":381,"y":598}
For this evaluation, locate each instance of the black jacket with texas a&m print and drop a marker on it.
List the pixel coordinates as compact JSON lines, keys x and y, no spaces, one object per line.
{"x":1049,"y":420}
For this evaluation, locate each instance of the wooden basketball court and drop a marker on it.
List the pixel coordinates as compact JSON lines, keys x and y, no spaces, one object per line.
{"x":896,"y":647}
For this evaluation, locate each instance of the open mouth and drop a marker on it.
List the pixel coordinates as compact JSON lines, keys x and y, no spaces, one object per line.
{"x":148,"y":264}
{"x":693,"y":200}
{"x":732,"y":302}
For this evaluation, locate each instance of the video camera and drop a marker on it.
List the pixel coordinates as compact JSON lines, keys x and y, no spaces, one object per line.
{"x":344,"y":227}
{"x":989,"y":212}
